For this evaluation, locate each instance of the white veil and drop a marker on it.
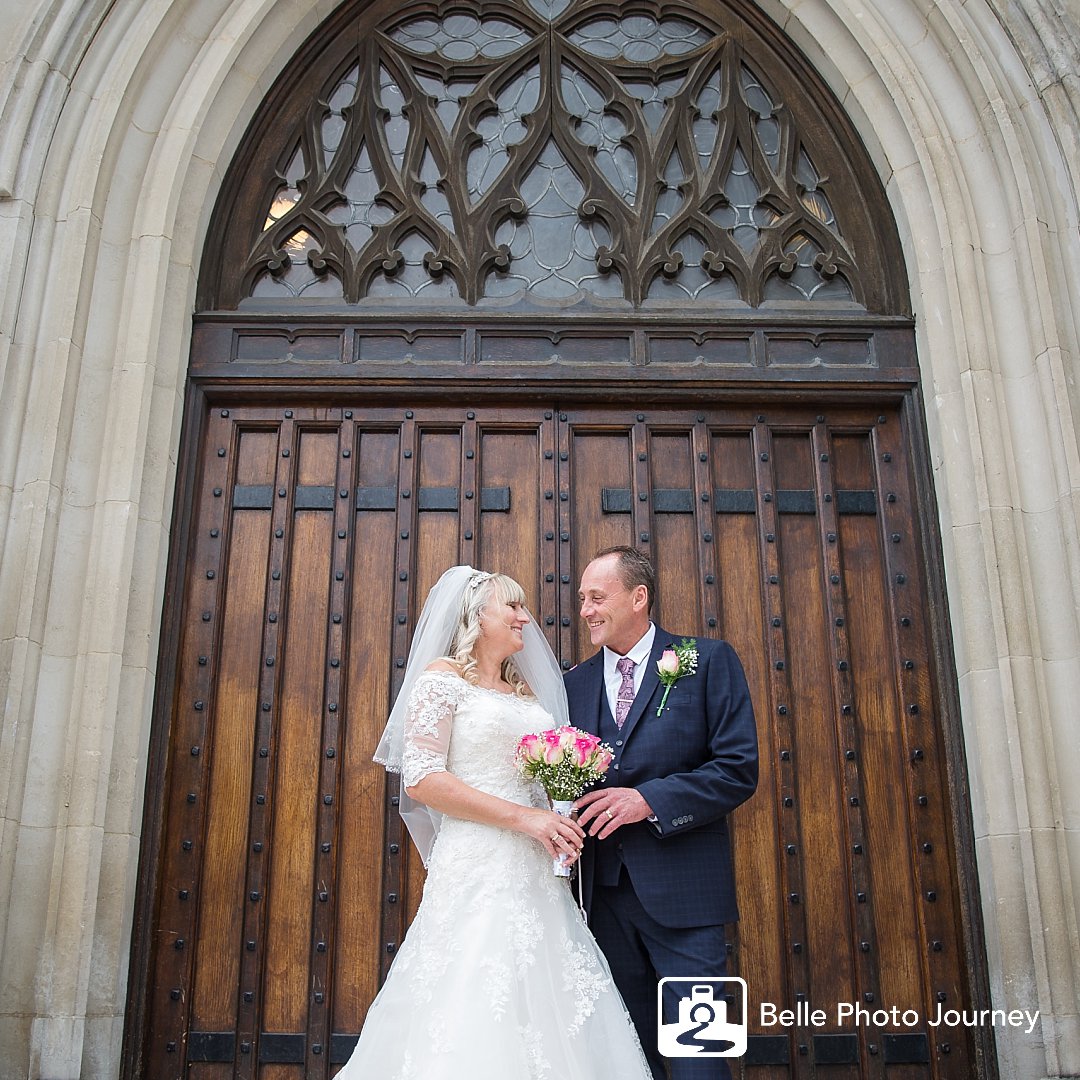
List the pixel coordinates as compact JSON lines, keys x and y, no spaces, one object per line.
{"x":432,"y":638}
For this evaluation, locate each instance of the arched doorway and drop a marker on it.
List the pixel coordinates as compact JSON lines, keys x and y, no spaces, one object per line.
{"x":503,"y":287}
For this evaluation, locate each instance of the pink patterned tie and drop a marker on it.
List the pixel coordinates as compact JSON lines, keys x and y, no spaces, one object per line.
{"x":625,"y":697}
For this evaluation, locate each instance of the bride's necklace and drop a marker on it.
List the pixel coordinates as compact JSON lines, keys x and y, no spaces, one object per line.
{"x":500,"y":687}
{"x":496,"y":683}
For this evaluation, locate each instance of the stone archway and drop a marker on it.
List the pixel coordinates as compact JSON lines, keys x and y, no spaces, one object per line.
{"x":1002,"y":436}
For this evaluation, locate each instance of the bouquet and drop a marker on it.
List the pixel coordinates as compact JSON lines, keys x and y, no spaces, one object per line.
{"x":566,"y":761}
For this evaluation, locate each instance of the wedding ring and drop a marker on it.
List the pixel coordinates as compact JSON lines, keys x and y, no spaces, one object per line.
{"x":554,"y":837}
{"x":609,"y":814}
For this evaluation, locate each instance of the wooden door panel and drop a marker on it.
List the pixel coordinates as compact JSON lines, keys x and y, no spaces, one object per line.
{"x":231,"y":735}
{"x":738,"y":568}
{"x":599,"y":463}
{"x":374,"y":640}
{"x":510,"y":493}
{"x":287,"y":882}
{"x":675,"y":528}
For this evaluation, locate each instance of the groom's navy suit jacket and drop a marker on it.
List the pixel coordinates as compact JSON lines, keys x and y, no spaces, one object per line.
{"x":693,"y":764}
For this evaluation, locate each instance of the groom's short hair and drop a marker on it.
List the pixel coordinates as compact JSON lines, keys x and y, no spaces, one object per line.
{"x":633,"y":567}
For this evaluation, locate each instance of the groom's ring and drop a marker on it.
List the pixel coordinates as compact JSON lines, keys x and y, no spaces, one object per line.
{"x":609,"y":814}
{"x":554,"y":837}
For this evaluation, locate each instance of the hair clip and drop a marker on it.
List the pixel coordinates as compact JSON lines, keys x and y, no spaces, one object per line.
{"x":478,"y":579}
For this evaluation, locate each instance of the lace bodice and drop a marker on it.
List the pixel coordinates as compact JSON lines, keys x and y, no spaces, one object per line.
{"x":454,"y":726}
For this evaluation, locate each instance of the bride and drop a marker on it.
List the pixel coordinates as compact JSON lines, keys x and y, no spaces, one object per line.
{"x":498,"y":977}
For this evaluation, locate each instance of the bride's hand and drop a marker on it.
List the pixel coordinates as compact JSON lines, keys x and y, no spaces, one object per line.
{"x":559,"y":835}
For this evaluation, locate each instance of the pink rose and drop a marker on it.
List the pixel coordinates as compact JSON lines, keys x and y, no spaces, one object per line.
{"x":553,"y":748}
{"x":528,"y":746}
{"x":668,"y":664}
{"x":584,"y":749}
{"x":604,"y":758}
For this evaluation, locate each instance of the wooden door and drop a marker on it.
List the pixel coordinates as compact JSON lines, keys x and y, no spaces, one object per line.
{"x":284,"y":882}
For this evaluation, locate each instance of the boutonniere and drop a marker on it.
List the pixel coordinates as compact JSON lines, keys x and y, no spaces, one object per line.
{"x":676,"y":661}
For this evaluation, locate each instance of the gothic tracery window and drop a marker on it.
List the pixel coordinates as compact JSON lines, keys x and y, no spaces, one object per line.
{"x":554,"y":152}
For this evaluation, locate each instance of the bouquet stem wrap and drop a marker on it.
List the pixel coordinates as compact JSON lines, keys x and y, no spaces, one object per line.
{"x":564,"y":808}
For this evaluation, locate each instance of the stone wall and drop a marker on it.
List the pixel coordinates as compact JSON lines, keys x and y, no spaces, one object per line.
{"x":117,"y":118}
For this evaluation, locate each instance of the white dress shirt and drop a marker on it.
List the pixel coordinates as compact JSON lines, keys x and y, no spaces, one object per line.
{"x":639,"y":654}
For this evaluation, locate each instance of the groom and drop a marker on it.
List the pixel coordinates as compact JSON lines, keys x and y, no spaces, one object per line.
{"x":658,"y":880}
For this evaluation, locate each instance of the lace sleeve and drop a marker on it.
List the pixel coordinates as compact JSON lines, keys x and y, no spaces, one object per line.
{"x":427,"y":725}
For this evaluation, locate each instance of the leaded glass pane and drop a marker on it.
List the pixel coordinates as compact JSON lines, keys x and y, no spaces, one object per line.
{"x":601,"y":130}
{"x":654,"y":98}
{"x":671,"y":198}
{"x":690,"y":281}
{"x":766,"y":126}
{"x":549,"y":9}
{"x":298,"y":278}
{"x":553,"y":251}
{"x":461,"y":37}
{"x":805,"y":281}
{"x":448,"y":96}
{"x":397,"y":123}
{"x":411,"y":279}
{"x":360,"y":214}
{"x":640,"y":39}
{"x":501,"y":130}
{"x":333,"y":126}
{"x":288,"y":195}
{"x":433,"y":200}
{"x":741,"y":214}
{"x":812,"y":197}
{"x":707,"y":119}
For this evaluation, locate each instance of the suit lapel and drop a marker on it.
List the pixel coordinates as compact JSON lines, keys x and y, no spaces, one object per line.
{"x":649,"y":682}
{"x":592,"y":691}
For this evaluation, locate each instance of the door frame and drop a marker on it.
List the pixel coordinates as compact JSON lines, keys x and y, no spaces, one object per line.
{"x":205,"y":393}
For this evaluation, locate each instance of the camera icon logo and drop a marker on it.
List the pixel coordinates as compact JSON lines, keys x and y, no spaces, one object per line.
{"x":703,"y":1017}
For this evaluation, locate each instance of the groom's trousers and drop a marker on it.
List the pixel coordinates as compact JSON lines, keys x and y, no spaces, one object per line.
{"x":640,"y":952}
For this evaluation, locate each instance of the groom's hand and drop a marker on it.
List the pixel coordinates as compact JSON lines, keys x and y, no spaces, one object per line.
{"x":609,"y":808}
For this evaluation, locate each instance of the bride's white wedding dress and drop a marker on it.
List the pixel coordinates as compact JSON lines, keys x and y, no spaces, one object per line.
{"x":498,"y":977}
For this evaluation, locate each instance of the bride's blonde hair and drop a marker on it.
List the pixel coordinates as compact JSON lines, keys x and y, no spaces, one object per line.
{"x":462,"y":654}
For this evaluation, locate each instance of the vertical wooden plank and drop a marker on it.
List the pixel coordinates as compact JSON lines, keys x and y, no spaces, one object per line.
{"x":815,"y":749}
{"x":783,"y":703}
{"x":173,"y":921}
{"x":853,"y":764}
{"x":881,"y":750}
{"x":296,"y":747}
{"x":762,"y":875}
{"x":231,"y":746}
{"x":936,"y":898}
{"x":436,"y":549}
{"x":510,"y":541}
{"x":676,"y":541}
{"x":360,"y":835}
{"x":598,"y":459}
